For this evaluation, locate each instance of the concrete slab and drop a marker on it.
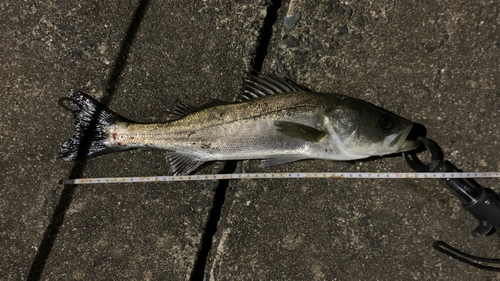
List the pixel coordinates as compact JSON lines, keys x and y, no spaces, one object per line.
{"x":184,"y":50}
{"x":435,"y":63}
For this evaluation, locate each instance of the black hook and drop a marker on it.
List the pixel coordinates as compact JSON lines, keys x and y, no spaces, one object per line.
{"x":436,"y":157}
{"x":482,"y":203}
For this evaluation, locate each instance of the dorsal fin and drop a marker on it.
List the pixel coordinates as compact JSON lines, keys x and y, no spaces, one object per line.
{"x":259,"y":85}
{"x":182,"y":110}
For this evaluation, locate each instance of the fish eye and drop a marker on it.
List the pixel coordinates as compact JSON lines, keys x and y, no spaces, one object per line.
{"x":385,"y":121}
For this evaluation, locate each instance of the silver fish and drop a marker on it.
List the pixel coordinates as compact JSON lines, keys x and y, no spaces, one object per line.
{"x":274,"y":119}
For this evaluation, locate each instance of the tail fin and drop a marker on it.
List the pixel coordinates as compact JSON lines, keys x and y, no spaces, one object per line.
{"x":91,"y":120}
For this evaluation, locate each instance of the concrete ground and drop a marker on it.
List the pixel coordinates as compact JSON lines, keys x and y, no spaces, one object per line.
{"x":434,"y":62}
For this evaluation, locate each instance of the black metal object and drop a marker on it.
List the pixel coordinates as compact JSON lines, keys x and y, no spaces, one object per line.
{"x":483,"y":203}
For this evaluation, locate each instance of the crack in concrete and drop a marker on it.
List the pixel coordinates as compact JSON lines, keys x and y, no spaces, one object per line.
{"x":52,"y":230}
{"x":199,"y":268}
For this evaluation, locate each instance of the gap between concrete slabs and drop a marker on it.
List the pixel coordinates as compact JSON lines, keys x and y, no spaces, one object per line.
{"x":230,"y":57}
{"x":66,"y":196}
{"x":220,"y":192}
{"x":430,"y":63}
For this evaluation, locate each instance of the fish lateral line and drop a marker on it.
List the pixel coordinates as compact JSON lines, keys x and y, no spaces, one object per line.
{"x":276,"y":120}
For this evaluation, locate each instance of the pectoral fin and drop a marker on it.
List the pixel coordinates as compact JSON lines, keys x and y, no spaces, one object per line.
{"x":296,"y":130}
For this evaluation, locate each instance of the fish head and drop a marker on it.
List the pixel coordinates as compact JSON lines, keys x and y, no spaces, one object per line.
{"x":362,"y":129}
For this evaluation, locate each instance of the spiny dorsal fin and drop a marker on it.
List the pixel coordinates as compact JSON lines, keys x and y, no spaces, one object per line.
{"x":182,"y":110}
{"x":259,"y":85}
{"x":296,"y":130}
{"x":182,"y":164}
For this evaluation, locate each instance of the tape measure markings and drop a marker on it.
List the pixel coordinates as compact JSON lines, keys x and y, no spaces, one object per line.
{"x":284,"y":176}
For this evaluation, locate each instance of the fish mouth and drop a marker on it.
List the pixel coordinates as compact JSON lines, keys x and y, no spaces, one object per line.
{"x":403,"y":143}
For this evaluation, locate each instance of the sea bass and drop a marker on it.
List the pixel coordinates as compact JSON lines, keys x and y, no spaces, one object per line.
{"x":273,"y":119}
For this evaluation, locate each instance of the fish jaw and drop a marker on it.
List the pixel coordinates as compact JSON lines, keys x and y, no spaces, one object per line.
{"x":337,"y":148}
{"x":406,"y":145}
{"x":398,"y":142}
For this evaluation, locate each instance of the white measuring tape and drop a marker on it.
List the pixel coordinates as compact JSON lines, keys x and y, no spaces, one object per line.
{"x":286,"y":176}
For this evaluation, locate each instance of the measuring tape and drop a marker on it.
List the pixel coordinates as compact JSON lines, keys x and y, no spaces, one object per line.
{"x":285,"y":176}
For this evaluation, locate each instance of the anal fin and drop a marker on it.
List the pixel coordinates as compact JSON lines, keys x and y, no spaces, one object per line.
{"x":182,"y":164}
{"x":300,"y":131}
{"x":279,"y":160}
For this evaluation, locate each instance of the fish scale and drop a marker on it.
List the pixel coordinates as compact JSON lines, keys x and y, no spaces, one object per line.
{"x":274,"y":119}
{"x":247,"y":131}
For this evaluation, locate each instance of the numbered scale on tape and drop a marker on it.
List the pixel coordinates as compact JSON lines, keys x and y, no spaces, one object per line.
{"x":285,"y":176}
{"x":481,"y":202}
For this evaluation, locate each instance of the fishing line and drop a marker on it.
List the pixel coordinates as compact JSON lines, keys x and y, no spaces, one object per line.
{"x":283,"y":176}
